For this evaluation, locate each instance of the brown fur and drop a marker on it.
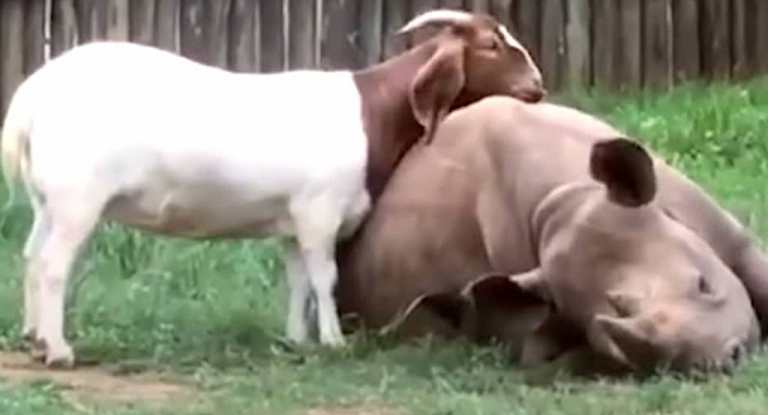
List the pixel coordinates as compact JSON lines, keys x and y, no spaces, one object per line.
{"x":404,"y":98}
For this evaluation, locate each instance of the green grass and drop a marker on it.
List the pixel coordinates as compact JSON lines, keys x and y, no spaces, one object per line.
{"x":211,"y":313}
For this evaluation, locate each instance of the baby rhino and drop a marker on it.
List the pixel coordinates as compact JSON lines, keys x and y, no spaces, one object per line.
{"x":535,"y":222}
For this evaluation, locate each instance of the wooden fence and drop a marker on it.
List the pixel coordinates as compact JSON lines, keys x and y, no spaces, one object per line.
{"x":578,"y":43}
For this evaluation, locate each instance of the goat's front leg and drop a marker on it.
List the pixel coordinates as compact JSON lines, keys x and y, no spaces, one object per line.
{"x":297,"y":325}
{"x":317,"y":228}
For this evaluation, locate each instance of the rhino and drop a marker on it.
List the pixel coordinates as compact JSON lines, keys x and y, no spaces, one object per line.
{"x":547,"y":229}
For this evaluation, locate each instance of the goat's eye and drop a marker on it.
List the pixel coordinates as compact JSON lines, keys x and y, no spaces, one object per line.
{"x":704,"y":286}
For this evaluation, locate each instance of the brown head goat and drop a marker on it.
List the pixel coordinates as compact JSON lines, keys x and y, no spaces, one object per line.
{"x":149,"y":139}
{"x":472,"y":56}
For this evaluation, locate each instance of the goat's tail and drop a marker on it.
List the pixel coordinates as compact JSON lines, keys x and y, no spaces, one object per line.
{"x":15,"y":140}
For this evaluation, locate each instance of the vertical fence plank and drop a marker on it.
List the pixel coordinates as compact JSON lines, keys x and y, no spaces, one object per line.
{"x":657,"y":55}
{"x":685,"y":18}
{"x":142,"y":22}
{"x":504,"y":11}
{"x":301,"y":50}
{"x":34,"y":36}
{"x":396,"y":14}
{"x":630,"y":56}
{"x":63,"y":26}
{"x":242,"y":39}
{"x":715,"y":39}
{"x":552,"y":60}
{"x":578,"y":44}
{"x":478,"y":6}
{"x":192,"y":30}
{"x":421,"y":6}
{"x":271,"y":24}
{"x":740,"y":65}
{"x":371,"y":29}
{"x":452,"y":4}
{"x":341,"y":47}
{"x":204,"y":31}
{"x":606,"y":43}
{"x":118,"y":19}
{"x":218,"y":32}
{"x":167,"y":22}
{"x":11,"y":50}
{"x":91,"y":19}
{"x":760,"y":8}
{"x":528,"y":26}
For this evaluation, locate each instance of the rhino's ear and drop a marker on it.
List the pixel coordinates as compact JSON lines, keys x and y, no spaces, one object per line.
{"x":626,"y":169}
{"x":442,"y":314}
{"x":533,"y":282}
{"x":502,"y":310}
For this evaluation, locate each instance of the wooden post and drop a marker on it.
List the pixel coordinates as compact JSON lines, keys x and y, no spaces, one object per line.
{"x":687,"y":51}
{"x":34,"y":36}
{"x":658,"y":60}
{"x":302,"y":34}
{"x":142,"y":22}
{"x":243,"y":43}
{"x":371,"y":29}
{"x":605,"y":52}
{"x":341,"y":40}
{"x":552,"y":60}
{"x":271,"y":35}
{"x":578,"y":44}
{"x":118,"y":20}
{"x":167,"y":23}
{"x":715,"y":29}
{"x":11,"y":50}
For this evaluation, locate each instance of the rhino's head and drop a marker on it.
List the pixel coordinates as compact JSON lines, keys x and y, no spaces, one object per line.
{"x":646,"y":290}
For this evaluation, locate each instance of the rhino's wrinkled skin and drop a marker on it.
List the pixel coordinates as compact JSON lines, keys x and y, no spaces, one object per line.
{"x":539,"y":225}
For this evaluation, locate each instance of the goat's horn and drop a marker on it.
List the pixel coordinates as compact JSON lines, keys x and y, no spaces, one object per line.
{"x":438,"y":17}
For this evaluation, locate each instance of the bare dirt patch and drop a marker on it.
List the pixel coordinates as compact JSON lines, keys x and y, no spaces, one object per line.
{"x":93,"y":385}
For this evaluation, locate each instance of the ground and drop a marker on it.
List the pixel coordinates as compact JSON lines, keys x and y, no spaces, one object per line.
{"x":176,"y":327}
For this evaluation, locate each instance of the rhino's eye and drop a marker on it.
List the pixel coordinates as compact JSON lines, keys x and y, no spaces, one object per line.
{"x":704,"y":286}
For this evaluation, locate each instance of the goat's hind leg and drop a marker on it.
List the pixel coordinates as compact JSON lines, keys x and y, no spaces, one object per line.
{"x":51,"y":266}
{"x":40,"y":228}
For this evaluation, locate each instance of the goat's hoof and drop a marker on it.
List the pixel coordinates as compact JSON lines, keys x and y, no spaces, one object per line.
{"x":334,"y":342}
{"x":60,"y":357}
{"x":62,"y":360}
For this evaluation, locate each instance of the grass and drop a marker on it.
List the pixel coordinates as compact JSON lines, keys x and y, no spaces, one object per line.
{"x":210,"y":314}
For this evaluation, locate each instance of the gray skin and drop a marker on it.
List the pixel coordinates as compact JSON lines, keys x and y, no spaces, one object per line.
{"x":539,"y":226}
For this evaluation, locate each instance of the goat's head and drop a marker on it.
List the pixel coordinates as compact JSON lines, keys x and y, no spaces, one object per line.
{"x":475,"y":57}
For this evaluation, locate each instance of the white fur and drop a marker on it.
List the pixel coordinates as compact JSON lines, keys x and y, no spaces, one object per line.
{"x":437,"y":16}
{"x":147,"y":138}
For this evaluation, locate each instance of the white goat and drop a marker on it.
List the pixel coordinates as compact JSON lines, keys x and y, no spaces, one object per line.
{"x":149,"y":139}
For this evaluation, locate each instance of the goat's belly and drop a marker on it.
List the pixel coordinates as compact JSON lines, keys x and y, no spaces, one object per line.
{"x":174,"y":215}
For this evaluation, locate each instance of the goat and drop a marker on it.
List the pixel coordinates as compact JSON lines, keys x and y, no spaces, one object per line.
{"x":135,"y":135}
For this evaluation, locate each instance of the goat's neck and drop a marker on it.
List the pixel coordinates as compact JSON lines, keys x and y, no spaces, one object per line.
{"x":389,"y":121}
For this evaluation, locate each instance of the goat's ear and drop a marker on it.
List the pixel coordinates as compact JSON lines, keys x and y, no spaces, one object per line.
{"x":626,"y":169}
{"x":436,"y":86}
